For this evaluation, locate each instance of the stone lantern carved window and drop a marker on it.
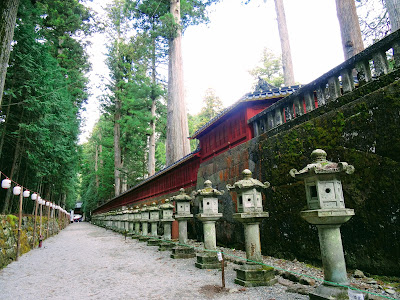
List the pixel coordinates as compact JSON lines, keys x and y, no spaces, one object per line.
{"x":323,"y":185}
{"x":182,"y":203}
{"x":249,"y":192}
{"x":208,"y":199}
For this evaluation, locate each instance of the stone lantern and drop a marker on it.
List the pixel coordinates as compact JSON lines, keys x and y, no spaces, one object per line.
{"x":154,"y":219}
{"x":208,"y":215}
{"x":110,"y":216}
{"x":120,"y":222}
{"x":250,"y":213}
{"x":113,"y":220}
{"x":137,"y":216}
{"x":131,"y":219}
{"x":124,"y":219}
{"x":326,"y":210}
{"x":182,"y":203}
{"x":167,"y":210}
{"x":144,"y":219}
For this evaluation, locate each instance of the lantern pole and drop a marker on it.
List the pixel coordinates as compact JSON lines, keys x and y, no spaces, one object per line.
{"x":48,"y":221}
{"x":19,"y":223}
{"x":34,"y":224}
{"x":40,"y":223}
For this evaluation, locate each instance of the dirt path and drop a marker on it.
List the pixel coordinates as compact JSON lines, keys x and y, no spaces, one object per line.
{"x":87,"y":262}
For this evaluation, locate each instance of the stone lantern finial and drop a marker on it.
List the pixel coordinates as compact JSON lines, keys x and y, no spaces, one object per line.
{"x":248,"y":182}
{"x":318,"y":155}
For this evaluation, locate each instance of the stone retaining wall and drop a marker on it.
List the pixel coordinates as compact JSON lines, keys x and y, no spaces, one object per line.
{"x":9,"y":232}
{"x":363,"y":131}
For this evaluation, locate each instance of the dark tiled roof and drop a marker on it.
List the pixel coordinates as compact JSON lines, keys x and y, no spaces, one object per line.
{"x":261,"y":95}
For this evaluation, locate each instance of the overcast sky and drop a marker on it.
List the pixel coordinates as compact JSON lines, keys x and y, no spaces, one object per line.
{"x":220,"y":54}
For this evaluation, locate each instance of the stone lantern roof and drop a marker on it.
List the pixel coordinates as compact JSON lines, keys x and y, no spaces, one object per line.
{"x":248,"y":182}
{"x":166,"y":205}
{"x":320,"y":165}
{"x":144,"y":208}
{"x":208,"y":190}
{"x":136,"y":209}
{"x":153,"y":207}
{"x":182,"y":196}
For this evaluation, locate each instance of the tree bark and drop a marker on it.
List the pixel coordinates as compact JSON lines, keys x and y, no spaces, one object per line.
{"x":393,"y":8}
{"x":151,"y":167}
{"x":117,"y":147}
{"x":352,"y":42}
{"x":8,"y":15}
{"x":14,"y":170}
{"x":96,"y":166}
{"x":177,"y":144}
{"x":3,"y":134}
{"x":117,"y":128}
{"x":287,"y":64}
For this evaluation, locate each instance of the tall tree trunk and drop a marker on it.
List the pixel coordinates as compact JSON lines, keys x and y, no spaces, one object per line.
{"x":14,"y":170}
{"x":117,"y":147}
{"x":393,"y":8}
{"x":287,"y":64}
{"x":3,"y":134}
{"x":151,"y":168}
{"x":15,"y":165}
{"x":117,"y":127}
{"x":152,"y":141}
{"x":177,"y":144}
{"x":96,"y":167}
{"x":8,"y":15}
{"x":352,"y":42}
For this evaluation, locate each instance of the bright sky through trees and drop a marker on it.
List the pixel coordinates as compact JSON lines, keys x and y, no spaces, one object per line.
{"x":219,"y":55}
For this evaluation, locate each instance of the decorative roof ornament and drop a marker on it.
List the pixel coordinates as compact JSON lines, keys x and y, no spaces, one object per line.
{"x":166,"y":205}
{"x":248,"y":183}
{"x":208,"y":190}
{"x":153,"y":207}
{"x":263,"y":86}
{"x":182,"y":196}
{"x":320,"y":165}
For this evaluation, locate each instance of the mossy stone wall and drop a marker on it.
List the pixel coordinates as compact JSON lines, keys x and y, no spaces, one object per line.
{"x":9,"y":233}
{"x":363,"y":131}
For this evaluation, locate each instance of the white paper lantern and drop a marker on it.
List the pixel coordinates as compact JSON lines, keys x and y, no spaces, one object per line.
{"x":34,"y":196}
{"x":16,"y":190}
{"x":6,"y":183}
{"x":26,"y":194}
{"x":47,"y":203}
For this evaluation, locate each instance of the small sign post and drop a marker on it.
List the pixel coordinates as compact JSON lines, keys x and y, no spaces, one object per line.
{"x":221,"y":259}
{"x":354,"y":295}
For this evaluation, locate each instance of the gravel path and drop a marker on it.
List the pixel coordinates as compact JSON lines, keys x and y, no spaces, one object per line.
{"x":87,"y":262}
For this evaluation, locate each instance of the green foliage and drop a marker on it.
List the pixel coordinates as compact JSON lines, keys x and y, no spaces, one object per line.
{"x":270,"y":68}
{"x":45,"y":88}
{"x":212,"y":106}
{"x":135,"y":85}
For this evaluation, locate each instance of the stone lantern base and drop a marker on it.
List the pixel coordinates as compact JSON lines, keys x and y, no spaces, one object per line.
{"x":133,"y":235}
{"x":208,"y":260}
{"x":144,"y":238}
{"x":251,"y":275}
{"x":154,"y":242}
{"x":183,"y":252}
{"x":164,"y":245}
{"x":325,"y":291}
